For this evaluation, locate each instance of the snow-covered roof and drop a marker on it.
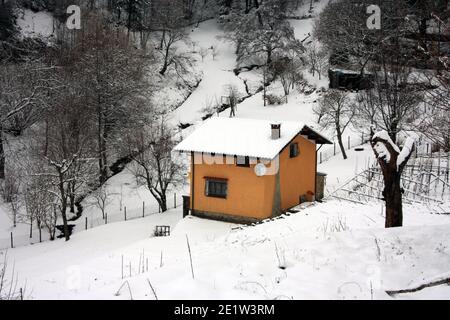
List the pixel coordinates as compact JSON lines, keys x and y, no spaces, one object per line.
{"x":243,"y":137}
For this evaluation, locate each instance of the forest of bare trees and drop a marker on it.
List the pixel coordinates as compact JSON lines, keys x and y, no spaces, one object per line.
{"x":71,"y":103}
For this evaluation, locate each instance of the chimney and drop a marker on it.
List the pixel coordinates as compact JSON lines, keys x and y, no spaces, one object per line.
{"x":276,"y":131}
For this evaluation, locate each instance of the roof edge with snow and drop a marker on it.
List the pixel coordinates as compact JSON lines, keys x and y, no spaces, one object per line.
{"x":245,"y":137}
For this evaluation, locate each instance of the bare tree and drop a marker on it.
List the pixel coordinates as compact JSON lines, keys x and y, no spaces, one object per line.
{"x":288,"y":69}
{"x":153,"y":163}
{"x":262,"y":31}
{"x":233,"y":99}
{"x":169,"y":20}
{"x":392,"y":161}
{"x":23,"y":89}
{"x":336,"y":110}
{"x":317,"y":59}
{"x":436,"y":123}
{"x":203,"y":53}
{"x":102,"y":197}
{"x":110,"y":74}
{"x":214,"y":52}
{"x":40,"y":205}
{"x":64,"y":147}
{"x":14,"y":196}
{"x":393,"y":101}
{"x":341,"y":27}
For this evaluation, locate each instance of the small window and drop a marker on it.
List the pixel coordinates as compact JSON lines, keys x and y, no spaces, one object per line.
{"x":242,"y":161}
{"x":294,"y":151}
{"x":216,"y":188}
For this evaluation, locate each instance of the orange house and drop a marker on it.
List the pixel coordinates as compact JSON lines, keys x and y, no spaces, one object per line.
{"x":245,"y":170}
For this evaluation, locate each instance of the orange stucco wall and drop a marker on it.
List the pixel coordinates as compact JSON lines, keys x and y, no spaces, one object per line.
{"x":297,"y":175}
{"x":252,"y":196}
{"x":248,"y":195}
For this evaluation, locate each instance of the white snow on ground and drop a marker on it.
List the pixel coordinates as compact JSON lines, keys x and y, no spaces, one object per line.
{"x":328,"y":250}
{"x":335,"y":250}
{"x":339,"y":171}
{"x":125,"y":193}
{"x":217,"y":73}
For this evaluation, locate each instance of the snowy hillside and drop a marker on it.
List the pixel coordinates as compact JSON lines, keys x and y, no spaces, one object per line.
{"x":335,"y":249}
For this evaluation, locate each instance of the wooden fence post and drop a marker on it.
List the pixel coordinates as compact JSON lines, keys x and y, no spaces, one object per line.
{"x":143,"y":209}
{"x":12,"y":241}
{"x":334,"y":146}
{"x":125,"y":213}
{"x":106,"y":217}
{"x":85,"y":224}
{"x":448,"y":167}
{"x":349,"y":147}
{"x":174,"y":200}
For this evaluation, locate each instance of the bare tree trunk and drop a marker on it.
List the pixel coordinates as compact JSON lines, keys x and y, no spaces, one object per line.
{"x":393,"y":197}
{"x":64,"y":207}
{"x":163,"y":203}
{"x":269,"y":57}
{"x":39,"y":225}
{"x":392,"y":172}
{"x":163,"y":37}
{"x":130,"y":8}
{"x":72,"y":201}
{"x":65,"y":224}
{"x":166,"y":61}
{"x":341,"y":144}
{"x":2,"y":155}
{"x":102,"y":158}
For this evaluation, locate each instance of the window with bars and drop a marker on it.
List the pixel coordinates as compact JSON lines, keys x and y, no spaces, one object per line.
{"x":216,"y":188}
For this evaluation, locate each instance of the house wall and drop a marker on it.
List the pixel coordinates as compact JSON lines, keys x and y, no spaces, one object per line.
{"x":248,"y":196}
{"x":298,"y":175}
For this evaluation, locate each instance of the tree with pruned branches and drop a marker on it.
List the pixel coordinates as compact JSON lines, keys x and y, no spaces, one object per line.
{"x":392,"y":161}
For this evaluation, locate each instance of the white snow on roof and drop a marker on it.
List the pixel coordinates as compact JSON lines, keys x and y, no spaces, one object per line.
{"x":240,"y":137}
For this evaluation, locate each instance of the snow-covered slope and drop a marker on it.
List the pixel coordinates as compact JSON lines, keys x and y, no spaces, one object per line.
{"x":336,"y":250}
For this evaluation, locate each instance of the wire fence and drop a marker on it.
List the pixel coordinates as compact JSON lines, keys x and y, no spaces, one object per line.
{"x":425,"y":180}
{"x":126,"y":213}
{"x":423,"y":148}
{"x":121,"y":214}
{"x":330,"y":151}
